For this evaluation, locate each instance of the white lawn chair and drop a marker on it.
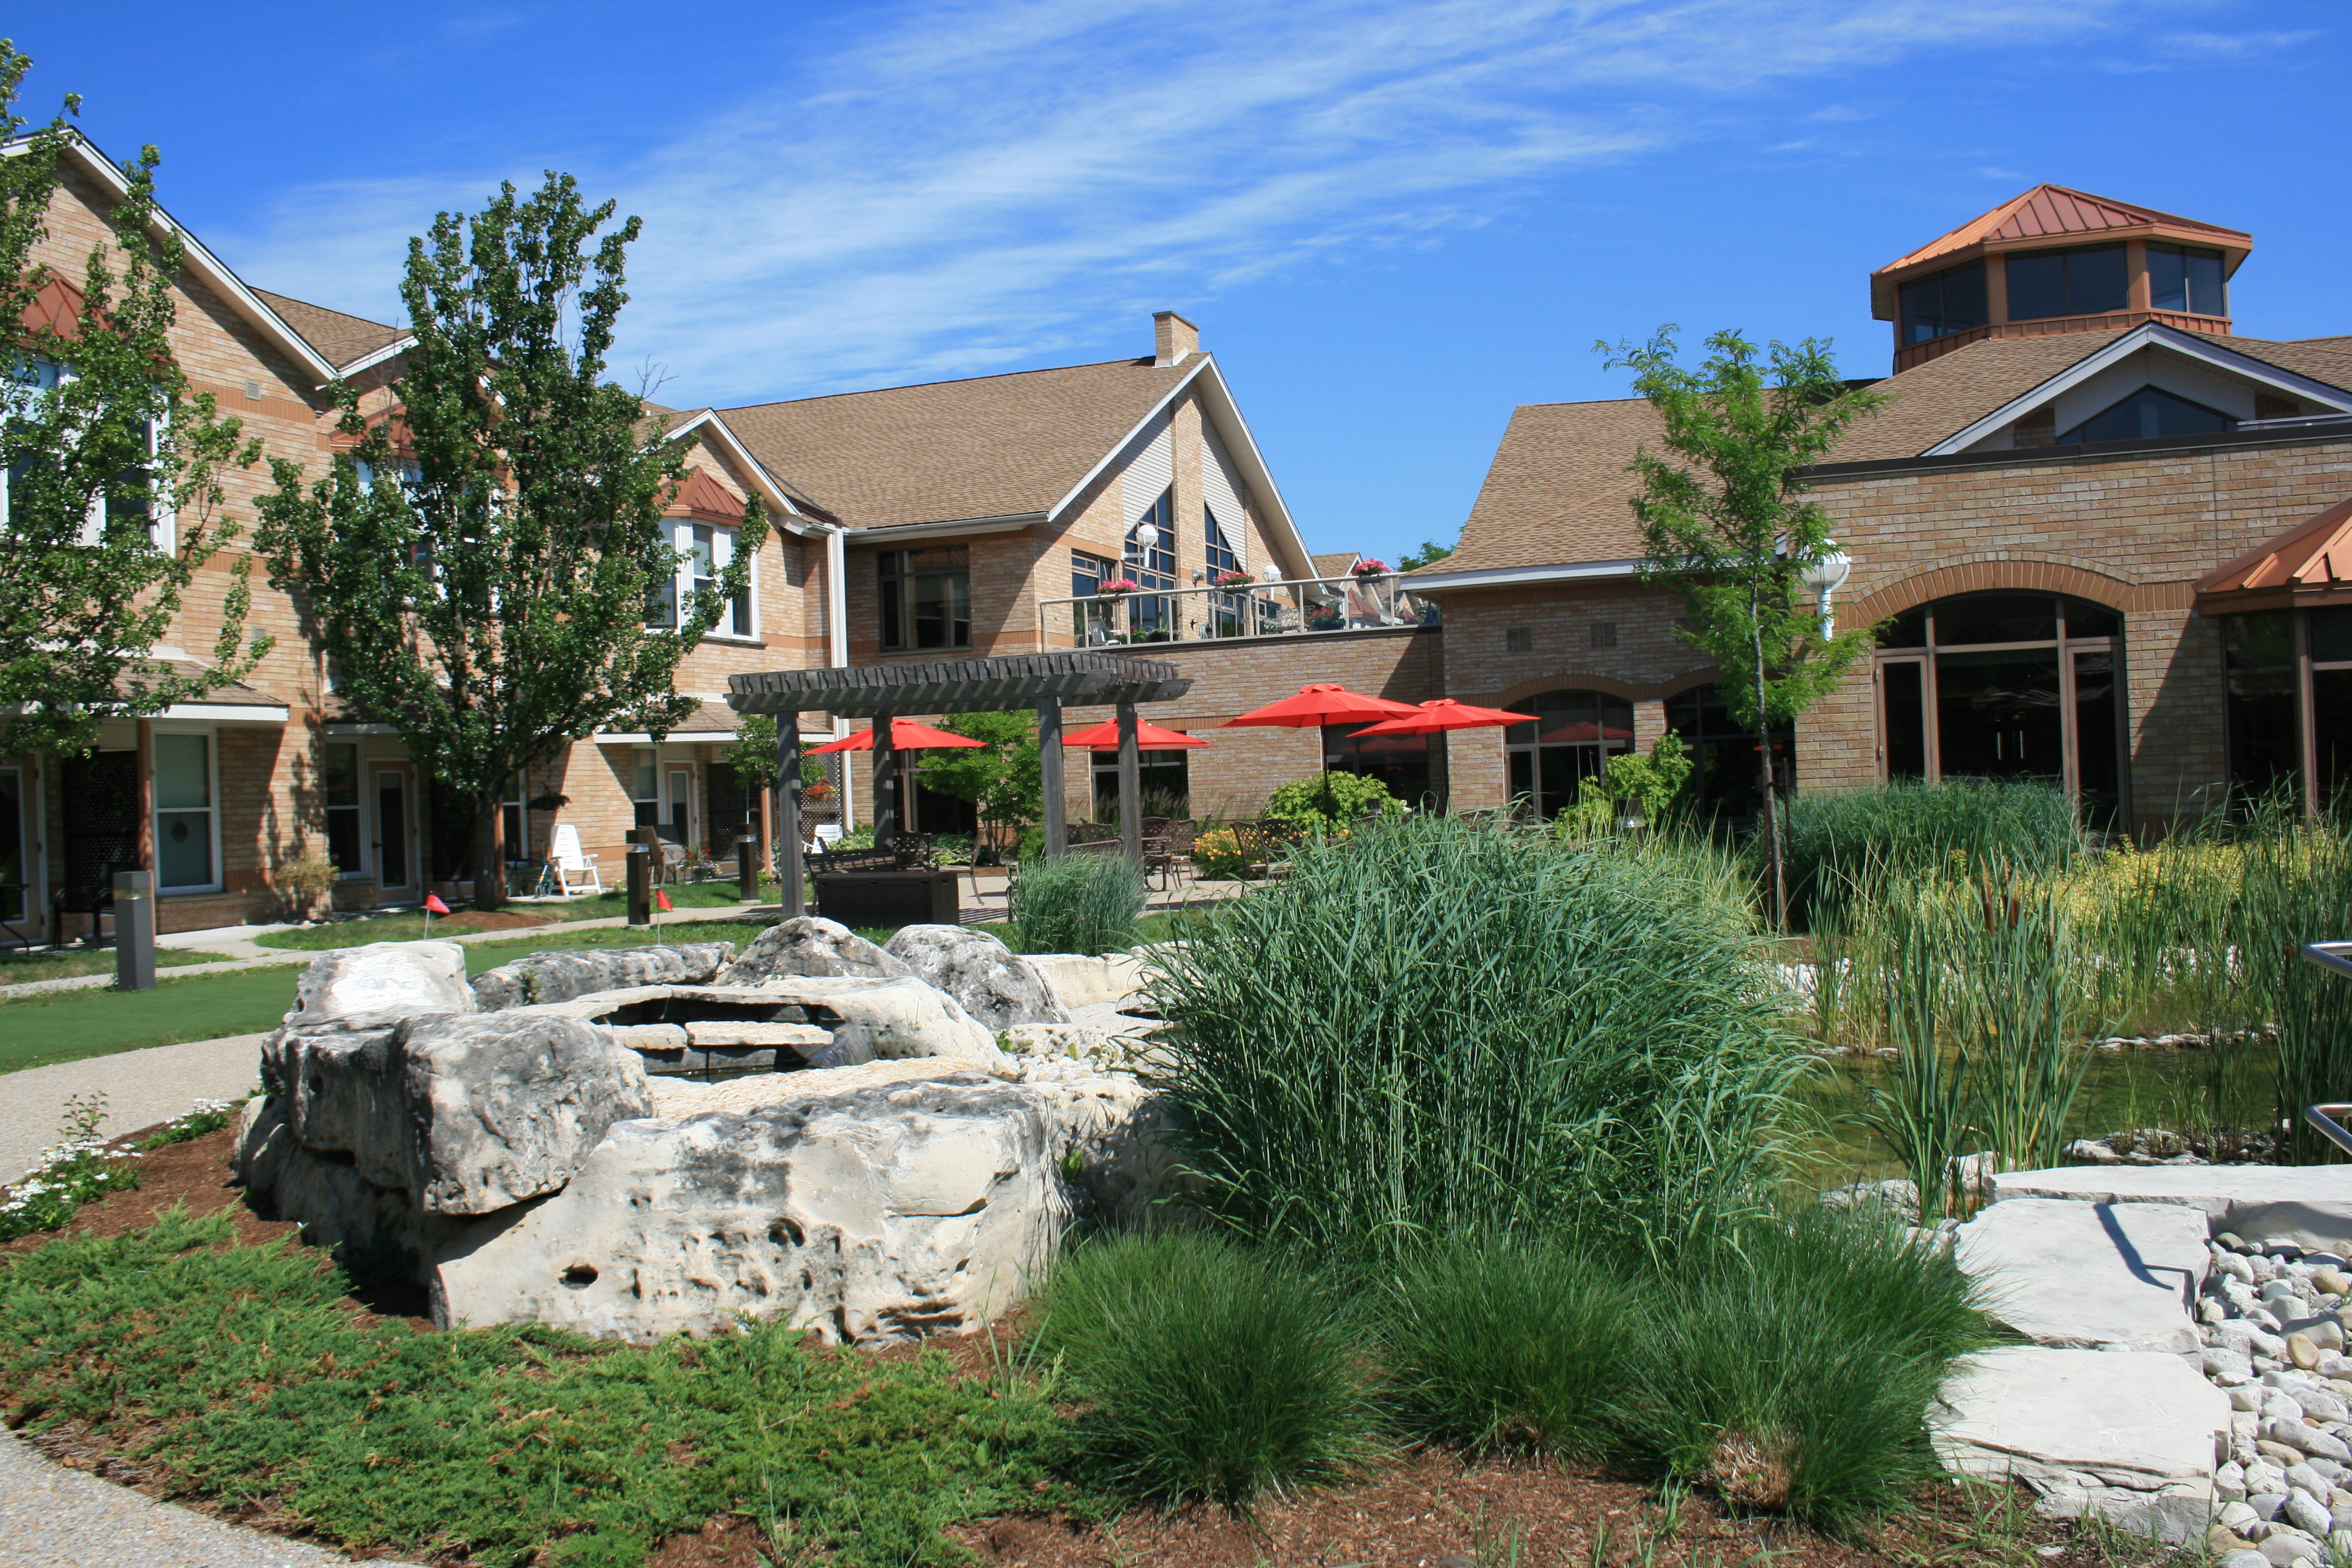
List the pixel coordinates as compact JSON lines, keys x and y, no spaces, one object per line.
{"x":577,"y":870}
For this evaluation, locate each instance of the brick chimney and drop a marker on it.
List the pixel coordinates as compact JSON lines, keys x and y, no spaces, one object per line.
{"x":1172,"y":337}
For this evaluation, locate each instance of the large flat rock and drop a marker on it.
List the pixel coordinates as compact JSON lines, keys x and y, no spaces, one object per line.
{"x":2093,"y":1276}
{"x":2138,"y":1419}
{"x":2310,"y":1206}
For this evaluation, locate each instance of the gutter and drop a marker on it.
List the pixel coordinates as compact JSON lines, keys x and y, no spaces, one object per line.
{"x":1511,"y":577}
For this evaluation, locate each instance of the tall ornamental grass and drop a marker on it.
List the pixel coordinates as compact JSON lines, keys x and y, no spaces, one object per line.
{"x":1451,"y":1028}
{"x":1904,"y":830}
{"x":1077,"y":903}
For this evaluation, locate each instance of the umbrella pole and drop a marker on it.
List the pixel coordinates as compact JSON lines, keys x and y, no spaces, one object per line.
{"x":1130,"y":786}
{"x":886,"y":784}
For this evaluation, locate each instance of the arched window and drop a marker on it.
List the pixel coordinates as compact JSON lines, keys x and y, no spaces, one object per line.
{"x":2006,"y":686}
{"x":1574,"y":737}
{"x":1726,"y":782}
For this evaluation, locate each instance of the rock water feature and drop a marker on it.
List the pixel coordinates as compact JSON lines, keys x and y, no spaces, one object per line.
{"x":871,"y":1142}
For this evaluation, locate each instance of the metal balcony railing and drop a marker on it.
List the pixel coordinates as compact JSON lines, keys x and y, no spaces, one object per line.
{"x":1303,"y":607}
{"x":2328,"y":1119}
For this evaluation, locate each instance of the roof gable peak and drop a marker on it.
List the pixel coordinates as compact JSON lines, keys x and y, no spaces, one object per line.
{"x":2052,"y":212}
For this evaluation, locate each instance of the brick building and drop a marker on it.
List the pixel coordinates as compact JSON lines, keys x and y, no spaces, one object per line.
{"x":2092,"y":526}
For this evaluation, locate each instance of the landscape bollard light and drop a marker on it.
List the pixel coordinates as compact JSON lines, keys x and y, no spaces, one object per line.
{"x":747,"y":862}
{"x":641,"y":885}
{"x":134,"y":931}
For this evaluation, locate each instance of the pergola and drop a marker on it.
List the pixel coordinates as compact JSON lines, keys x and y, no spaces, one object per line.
{"x":881,"y":692}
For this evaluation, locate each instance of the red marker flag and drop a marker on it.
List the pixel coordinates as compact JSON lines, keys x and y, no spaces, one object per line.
{"x":662,"y":899}
{"x":433,"y":904}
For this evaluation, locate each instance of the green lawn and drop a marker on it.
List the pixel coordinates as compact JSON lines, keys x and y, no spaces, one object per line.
{"x":40,"y":963}
{"x":409,"y":927}
{"x":67,"y":1025}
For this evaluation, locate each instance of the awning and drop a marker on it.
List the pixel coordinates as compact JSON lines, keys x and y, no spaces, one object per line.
{"x":2310,"y":563}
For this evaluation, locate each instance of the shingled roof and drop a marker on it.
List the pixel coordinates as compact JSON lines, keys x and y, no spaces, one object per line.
{"x":992,"y":446}
{"x":340,"y":339}
{"x":2048,"y":213}
{"x":1558,"y":491}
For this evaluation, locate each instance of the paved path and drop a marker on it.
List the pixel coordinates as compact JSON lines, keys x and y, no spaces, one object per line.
{"x":142,"y":1088}
{"x":51,"y":1517}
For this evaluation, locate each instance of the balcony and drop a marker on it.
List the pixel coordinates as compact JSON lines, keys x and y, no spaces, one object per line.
{"x":1304,"y":606}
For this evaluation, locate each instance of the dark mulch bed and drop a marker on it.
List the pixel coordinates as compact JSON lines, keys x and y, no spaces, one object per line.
{"x":1420,"y":1510}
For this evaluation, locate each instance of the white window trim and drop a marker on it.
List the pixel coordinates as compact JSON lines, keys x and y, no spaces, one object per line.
{"x":681,"y":540}
{"x":212,"y":793}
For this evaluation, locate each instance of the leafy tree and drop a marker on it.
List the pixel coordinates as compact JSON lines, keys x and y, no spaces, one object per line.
{"x":1726,"y":523}
{"x":1004,"y":779}
{"x":1429,"y":553}
{"x":112,"y":494}
{"x":484,"y":585}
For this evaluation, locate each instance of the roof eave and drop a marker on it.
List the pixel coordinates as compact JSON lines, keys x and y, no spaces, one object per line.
{"x":1511,"y":577}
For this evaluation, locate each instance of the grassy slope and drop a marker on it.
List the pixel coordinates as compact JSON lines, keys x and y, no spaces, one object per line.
{"x":68,"y":1025}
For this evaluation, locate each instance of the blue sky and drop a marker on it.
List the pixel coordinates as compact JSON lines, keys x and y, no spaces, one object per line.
{"x":1393,"y":223}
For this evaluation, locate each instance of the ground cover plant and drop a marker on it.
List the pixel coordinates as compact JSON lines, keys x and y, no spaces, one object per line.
{"x":83,"y":1167}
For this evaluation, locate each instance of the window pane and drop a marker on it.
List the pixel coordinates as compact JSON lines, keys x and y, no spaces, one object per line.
{"x":1906,"y":720}
{"x":1923,"y":309}
{"x":1909,"y":629}
{"x":1964,"y":298}
{"x":1997,"y":617}
{"x":2330,"y":631}
{"x":183,"y":849}
{"x":12,"y":843}
{"x":889,"y":589}
{"x":2037,"y":285}
{"x":182,"y":778}
{"x":1997,"y":716}
{"x":2148,"y":415}
{"x":339,"y":773}
{"x":2260,"y":712}
{"x":2167,"y":280}
{"x":2096,"y":281}
{"x":2084,"y":619}
{"x":2331,"y":730}
{"x":2263,"y":640}
{"x":343,"y":838}
{"x":2095,"y":769}
{"x":2207,"y":294}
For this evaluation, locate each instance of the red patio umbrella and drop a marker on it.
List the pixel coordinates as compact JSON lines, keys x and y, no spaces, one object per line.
{"x":1442,"y":713}
{"x":1148,"y":737}
{"x":906,"y":736}
{"x":1324,"y":703}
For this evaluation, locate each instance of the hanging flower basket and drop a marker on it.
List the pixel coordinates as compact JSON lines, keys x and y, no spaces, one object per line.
{"x":1372,"y":568}
{"x":1117,"y":586}
{"x":1232,"y":579}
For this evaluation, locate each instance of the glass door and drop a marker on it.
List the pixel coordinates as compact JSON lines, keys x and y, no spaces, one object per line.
{"x":678,"y":825}
{"x":21,"y":905}
{"x":395,"y":836}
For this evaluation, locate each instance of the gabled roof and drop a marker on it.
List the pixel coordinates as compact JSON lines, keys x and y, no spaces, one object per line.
{"x":2054,"y":212}
{"x":2309,"y":564}
{"x":786,"y":507}
{"x":1558,"y":490}
{"x":704,"y":497}
{"x":341,"y":340}
{"x":1004,"y":450}
{"x":1336,"y":562}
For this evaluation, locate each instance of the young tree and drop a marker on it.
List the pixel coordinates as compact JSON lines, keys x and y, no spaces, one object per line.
{"x":1430,"y":553}
{"x":1725,"y":522}
{"x":485,"y":584}
{"x":1004,"y":779}
{"x":110,"y":494}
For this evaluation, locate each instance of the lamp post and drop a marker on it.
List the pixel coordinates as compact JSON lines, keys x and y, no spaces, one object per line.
{"x":1823,"y":578}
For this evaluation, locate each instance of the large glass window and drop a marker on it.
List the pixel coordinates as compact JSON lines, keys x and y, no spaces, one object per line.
{"x":14,"y":875}
{"x":2147,"y":414}
{"x":1575,"y":734}
{"x":183,"y":812}
{"x":339,"y":781}
{"x":1163,"y":778}
{"x":2006,"y":686}
{"x":926,"y":597}
{"x":2262,"y":694}
{"x":2086,"y":281}
{"x":1949,"y":303}
{"x":2182,"y":278}
{"x":1150,"y":559}
{"x":1400,"y":762}
{"x":1727,"y":782}
{"x":1093,"y":625}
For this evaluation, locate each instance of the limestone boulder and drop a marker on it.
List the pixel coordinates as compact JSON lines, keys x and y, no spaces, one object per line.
{"x":995,"y":985}
{"x":561,"y":976}
{"x":2094,"y":1276}
{"x":1080,"y":979}
{"x":340,"y":1087}
{"x":377,"y":1229}
{"x":392,"y":977}
{"x":1114,"y":1138}
{"x":808,"y":945}
{"x":859,"y":1207}
{"x":505,"y":1106}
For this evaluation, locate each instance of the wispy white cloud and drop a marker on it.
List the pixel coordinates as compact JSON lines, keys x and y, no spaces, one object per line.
{"x":970,"y":186}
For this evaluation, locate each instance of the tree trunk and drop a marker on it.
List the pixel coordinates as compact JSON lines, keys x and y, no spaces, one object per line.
{"x":1764,"y":749}
{"x":489,"y":853}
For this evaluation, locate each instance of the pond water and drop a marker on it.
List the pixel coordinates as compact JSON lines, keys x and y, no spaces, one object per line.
{"x":2180,"y":1090}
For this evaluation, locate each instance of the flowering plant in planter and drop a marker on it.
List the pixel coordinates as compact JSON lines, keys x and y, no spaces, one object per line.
{"x":1117,"y":586}
{"x":1232,"y":579}
{"x":1375,"y":567}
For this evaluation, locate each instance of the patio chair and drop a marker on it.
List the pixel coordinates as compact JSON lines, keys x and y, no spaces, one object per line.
{"x":670,"y":865}
{"x":1159,"y":851}
{"x":576,"y":871}
{"x":1264,"y":846}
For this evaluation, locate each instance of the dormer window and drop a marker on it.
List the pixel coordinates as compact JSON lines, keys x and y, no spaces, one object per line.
{"x":1951,"y":301}
{"x":2088,"y":280}
{"x":2183,"y":277}
{"x":2146,"y":416}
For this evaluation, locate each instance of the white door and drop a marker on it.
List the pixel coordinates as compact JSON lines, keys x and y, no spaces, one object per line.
{"x":392,"y":798}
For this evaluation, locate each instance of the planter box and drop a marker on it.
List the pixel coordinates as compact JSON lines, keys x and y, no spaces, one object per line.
{"x":879,"y":899}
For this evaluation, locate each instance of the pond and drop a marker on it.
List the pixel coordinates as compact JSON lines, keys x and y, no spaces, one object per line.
{"x":2180,"y":1090}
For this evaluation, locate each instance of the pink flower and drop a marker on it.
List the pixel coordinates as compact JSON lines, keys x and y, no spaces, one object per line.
{"x":1375,"y":567}
{"x":1117,"y":585}
{"x":1232,"y":579}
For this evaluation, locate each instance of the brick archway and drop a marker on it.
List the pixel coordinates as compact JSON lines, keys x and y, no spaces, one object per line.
{"x":1577,"y":680}
{"x":1995,"y":576}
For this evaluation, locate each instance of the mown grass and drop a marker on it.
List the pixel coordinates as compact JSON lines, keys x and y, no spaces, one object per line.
{"x":41,"y":963}
{"x":410,"y":925}
{"x":238,"y":1374}
{"x":70,"y":1025}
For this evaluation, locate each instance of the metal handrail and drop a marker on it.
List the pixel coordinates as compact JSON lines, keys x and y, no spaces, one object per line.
{"x":1292,"y":606}
{"x":2328,"y":1119}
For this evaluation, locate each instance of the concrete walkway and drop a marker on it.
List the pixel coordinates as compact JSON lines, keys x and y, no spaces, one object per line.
{"x":51,"y":1517}
{"x":142,"y":1088}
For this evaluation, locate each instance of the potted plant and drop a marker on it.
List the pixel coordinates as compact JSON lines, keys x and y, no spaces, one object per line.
{"x":307,"y":881}
{"x":1232,"y":579}
{"x":1117,"y":585}
{"x":1371,"y":567}
{"x":1325,"y":619}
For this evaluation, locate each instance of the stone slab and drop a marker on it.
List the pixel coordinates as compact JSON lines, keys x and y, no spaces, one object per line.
{"x":2089,"y":1276}
{"x":2137,"y":1419}
{"x":1082,"y":980}
{"x":2310,"y":1206}
{"x":750,"y":1032}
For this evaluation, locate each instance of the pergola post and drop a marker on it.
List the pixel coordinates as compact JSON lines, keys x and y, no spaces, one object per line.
{"x":886,"y":784}
{"x":792,"y":892}
{"x":1049,"y":771}
{"x":1130,"y":785}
